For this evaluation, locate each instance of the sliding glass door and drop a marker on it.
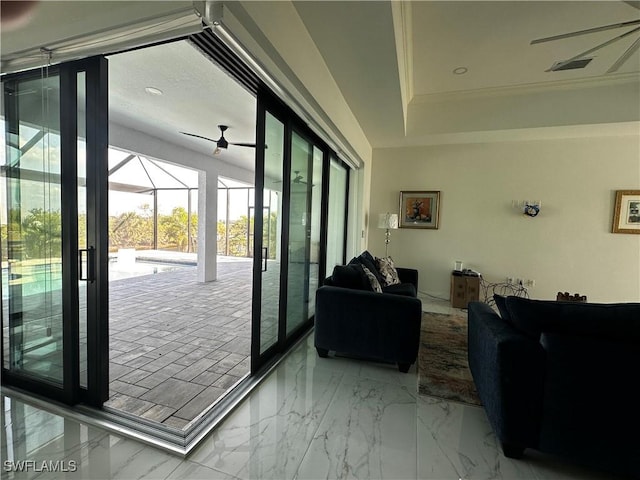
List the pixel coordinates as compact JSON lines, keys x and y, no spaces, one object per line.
{"x":292,"y":184}
{"x":50,"y":251}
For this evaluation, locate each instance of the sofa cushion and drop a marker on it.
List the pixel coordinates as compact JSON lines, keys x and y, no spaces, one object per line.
{"x":501,"y":303}
{"x":349,"y":276}
{"x":373,"y":281}
{"x":613,"y":321}
{"x":388,"y":271}
{"x":406,"y":289}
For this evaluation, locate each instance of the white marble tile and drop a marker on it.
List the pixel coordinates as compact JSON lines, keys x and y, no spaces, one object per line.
{"x":311,"y":418}
{"x":267,"y":436}
{"x":383,"y":372}
{"x":368,"y":432}
{"x":194,"y":471}
{"x":109,"y":456}
{"x":456,"y":440}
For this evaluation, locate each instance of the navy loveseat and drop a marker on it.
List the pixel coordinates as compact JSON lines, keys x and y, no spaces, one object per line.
{"x":352,"y":319}
{"x":560,"y":377}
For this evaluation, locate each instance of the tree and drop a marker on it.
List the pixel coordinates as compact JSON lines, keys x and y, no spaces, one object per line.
{"x":238,"y":237}
{"x":173,"y":229}
{"x":221,"y":228}
{"x":131,"y":229}
{"x":42,"y":234}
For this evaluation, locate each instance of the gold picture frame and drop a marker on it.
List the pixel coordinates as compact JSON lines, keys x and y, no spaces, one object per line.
{"x":419,"y":209}
{"x":626,"y":214}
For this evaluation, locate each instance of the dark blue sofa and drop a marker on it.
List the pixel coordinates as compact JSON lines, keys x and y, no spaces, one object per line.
{"x":359,"y":322}
{"x":560,"y":377}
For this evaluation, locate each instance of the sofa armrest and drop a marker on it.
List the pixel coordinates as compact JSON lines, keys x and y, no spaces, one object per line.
{"x":369,"y":324}
{"x":408,"y":275}
{"x":508,"y":370}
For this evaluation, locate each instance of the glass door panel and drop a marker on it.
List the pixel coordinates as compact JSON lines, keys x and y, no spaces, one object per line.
{"x":271,"y":228}
{"x":315,"y":230}
{"x":82,"y":221}
{"x":299,"y":232}
{"x":336,"y":216}
{"x":305,"y":194}
{"x":34,"y":333}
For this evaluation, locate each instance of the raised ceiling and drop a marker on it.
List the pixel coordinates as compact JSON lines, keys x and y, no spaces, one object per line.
{"x":506,"y":85}
{"x":492,"y":40}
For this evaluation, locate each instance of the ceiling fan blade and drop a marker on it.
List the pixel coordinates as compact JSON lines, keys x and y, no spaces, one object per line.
{"x":625,"y":56}
{"x":584,"y":32}
{"x":591,"y":50}
{"x":199,"y":136}
{"x":252,"y":145}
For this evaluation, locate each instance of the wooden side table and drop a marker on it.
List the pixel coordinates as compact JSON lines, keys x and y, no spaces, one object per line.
{"x":464,"y":289}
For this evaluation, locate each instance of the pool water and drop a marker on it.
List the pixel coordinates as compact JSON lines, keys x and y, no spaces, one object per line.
{"x":120,"y":270}
{"x":36,"y":279}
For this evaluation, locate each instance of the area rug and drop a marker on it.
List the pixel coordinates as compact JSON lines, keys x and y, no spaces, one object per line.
{"x":443,"y":369}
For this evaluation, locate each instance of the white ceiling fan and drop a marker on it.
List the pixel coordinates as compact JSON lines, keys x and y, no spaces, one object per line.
{"x":634,"y":29}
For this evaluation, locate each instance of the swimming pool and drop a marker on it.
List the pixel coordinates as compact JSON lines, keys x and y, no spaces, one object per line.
{"x":36,"y":279}
{"x":138,"y":268}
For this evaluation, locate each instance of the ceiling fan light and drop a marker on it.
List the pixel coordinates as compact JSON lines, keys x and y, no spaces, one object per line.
{"x":217,"y":151}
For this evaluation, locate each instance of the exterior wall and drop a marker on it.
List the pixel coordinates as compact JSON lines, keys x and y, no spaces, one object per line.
{"x":567,"y":247}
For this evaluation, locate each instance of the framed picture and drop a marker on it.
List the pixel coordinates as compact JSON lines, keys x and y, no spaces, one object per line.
{"x":626,"y":215}
{"x":419,"y":209}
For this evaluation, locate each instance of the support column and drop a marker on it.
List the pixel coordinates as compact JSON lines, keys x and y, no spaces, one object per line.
{"x":207,"y":226}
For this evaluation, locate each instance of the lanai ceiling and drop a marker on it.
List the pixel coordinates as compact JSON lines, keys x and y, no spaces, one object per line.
{"x":196,"y":97}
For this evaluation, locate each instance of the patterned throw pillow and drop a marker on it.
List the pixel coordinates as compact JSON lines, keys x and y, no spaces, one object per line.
{"x":375,"y":284}
{"x":388,"y":271}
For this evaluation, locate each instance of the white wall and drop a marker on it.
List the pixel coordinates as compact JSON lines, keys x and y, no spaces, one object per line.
{"x":567,"y":247}
{"x":275,"y":36}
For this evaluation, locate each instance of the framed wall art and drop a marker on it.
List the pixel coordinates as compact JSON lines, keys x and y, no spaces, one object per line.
{"x":419,"y":209}
{"x":626,"y":213}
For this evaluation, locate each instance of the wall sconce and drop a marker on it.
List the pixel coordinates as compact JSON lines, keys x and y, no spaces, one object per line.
{"x":387,"y":221}
{"x":530,"y":208}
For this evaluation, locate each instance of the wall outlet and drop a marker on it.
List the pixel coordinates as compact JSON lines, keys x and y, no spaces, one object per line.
{"x":510,"y":280}
{"x":530,"y":283}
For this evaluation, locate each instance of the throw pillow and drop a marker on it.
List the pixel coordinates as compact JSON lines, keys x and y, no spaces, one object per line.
{"x":388,"y":271}
{"x":368,"y":261}
{"x":501,"y":303}
{"x":348,"y":276}
{"x":375,"y":284}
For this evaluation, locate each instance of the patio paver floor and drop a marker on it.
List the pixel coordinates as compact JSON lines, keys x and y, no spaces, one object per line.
{"x":177,"y":345}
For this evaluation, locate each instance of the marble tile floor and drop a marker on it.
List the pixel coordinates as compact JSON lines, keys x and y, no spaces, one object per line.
{"x":310,"y":418}
{"x":177,"y":345}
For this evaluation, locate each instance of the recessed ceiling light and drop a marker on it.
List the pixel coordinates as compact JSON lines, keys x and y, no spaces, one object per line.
{"x":460,"y":70}
{"x":153,"y":90}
